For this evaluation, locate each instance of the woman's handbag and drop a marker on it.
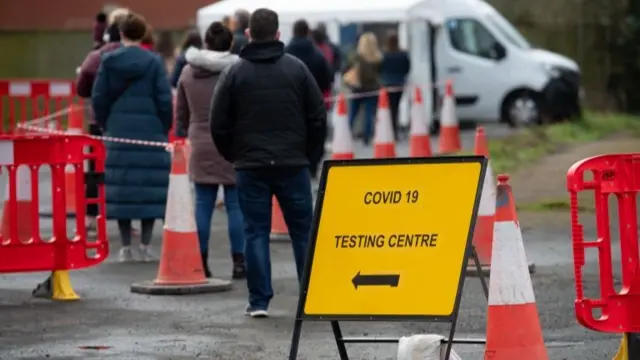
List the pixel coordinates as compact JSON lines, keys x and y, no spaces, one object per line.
{"x":352,"y":77}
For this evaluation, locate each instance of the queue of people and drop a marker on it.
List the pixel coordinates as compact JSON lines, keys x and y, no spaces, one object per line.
{"x":255,"y":137}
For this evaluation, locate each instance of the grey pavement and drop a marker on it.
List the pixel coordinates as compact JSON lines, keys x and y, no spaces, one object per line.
{"x":111,"y":323}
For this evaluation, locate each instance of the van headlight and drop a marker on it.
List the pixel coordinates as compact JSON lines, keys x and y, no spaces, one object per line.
{"x":551,"y":70}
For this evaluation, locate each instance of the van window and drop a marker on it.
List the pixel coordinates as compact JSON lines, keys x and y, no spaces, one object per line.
{"x":508,"y":31}
{"x":471,"y":37}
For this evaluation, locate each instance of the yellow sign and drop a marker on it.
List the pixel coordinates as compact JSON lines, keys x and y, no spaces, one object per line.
{"x":392,"y":238}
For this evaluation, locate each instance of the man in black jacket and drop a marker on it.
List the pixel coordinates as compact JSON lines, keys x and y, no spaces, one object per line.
{"x":268,"y":118}
{"x":304,"y":49}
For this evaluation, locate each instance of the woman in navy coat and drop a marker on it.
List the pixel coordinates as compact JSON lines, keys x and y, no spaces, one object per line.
{"x":132,"y":100}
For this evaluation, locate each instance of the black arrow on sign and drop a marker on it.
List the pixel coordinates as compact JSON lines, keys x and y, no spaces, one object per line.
{"x":375,"y":280}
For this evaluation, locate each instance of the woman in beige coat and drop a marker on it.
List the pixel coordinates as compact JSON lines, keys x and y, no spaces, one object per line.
{"x":207,"y":168}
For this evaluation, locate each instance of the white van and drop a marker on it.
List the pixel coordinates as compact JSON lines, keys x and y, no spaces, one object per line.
{"x":497,"y":74}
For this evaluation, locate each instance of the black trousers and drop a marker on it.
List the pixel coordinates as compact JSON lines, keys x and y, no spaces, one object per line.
{"x":91,"y":189}
{"x":394,"y":107}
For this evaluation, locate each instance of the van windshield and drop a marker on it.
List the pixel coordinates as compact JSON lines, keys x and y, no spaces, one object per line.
{"x":507,"y":30}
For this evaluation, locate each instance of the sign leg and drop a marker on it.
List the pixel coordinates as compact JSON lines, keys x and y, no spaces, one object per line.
{"x":483,"y":280}
{"x":337,"y":333}
{"x":633,"y":345}
{"x":295,"y":340}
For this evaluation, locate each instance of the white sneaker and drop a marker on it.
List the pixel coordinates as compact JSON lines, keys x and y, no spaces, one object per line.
{"x":125,"y":254}
{"x":146,"y":254}
{"x":255,"y":312}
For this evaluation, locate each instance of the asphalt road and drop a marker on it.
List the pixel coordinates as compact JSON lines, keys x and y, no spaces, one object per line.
{"x":109,"y":322}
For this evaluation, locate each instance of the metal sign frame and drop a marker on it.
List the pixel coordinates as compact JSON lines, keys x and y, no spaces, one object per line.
{"x":470,"y":253}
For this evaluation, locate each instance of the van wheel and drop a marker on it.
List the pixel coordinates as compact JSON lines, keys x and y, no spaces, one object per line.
{"x":522,"y":108}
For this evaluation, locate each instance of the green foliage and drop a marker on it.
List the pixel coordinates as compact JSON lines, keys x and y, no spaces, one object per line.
{"x":528,"y":146}
{"x":625,"y":52}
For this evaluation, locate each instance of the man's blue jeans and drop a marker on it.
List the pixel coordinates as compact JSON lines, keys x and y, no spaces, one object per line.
{"x":292,"y":189}
{"x":206,"y":195}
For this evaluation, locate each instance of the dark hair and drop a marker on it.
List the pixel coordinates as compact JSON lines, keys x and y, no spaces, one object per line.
{"x":193,"y":39}
{"x":114,"y":33}
{"x":392,"y":43}
{"x":133,"y":27}
{"x":243,"y":17}
{"x":101,"y":17}
{"x":218,"y":37}
{"x":225,"y":20}
{"x":263,"y":25}
{"x":300,"y":28}
{"x":148,"y":38}
{"x":320,"y":34}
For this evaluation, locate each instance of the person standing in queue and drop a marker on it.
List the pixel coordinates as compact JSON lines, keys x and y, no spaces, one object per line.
{"x":132,"y":100}
{"x":268,"y":118}
{"x":239,"y":23}
{"x":207,"y":168}
{"x":84,"y":84}
{"x":304,"y":49}
{"x":362,"y":75}
{"x":394,"y":70}
{"x":192,"y":40}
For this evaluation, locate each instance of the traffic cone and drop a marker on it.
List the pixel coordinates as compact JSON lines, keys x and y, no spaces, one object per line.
{"x":181,"y":271}
{"x":513,"y":325}
{"x":419,"y":138}
{"x":75,"y":127}
{"x":342,"y":145}
{"x":449,"y":127}
{"x":22,"y":214}
{"x":384,"y":144}
{"x":483,"y":233}
{"x":279,"y":231}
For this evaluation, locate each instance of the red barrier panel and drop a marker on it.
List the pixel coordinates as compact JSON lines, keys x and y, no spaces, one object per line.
{"x":619,"y":176}
{"x":24,"y":100}
{"x":22,"y":248}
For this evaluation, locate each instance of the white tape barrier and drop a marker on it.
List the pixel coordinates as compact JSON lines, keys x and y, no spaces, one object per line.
{"x":424,"y":347}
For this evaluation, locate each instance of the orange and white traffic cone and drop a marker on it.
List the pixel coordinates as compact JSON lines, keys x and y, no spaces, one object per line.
{"x":181,"y":270}
{"x":419,"y":138}
{"x":384,"y":143}
{"x":483,"y":233}
{"x":342,"y":145}
{"x":449,"y":126}
{"x":513,"y":325}
{"x":75,"y":127}
{"x":20,"y":215}
{"x":279,"y":230}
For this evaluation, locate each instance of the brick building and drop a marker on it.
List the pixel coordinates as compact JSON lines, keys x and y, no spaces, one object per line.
{"x":49,"y":38}
{"x":73,"y":15}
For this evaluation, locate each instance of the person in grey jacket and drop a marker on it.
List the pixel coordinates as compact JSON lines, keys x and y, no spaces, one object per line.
{"x":207,"y":168}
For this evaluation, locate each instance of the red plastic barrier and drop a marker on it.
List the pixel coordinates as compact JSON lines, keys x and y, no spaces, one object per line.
{"x":619,"y":176}
{"x":24,"y":100}
{"x":22,"y":248}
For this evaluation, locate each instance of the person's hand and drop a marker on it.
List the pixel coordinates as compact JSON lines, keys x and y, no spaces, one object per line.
{"x":186,"y":147}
